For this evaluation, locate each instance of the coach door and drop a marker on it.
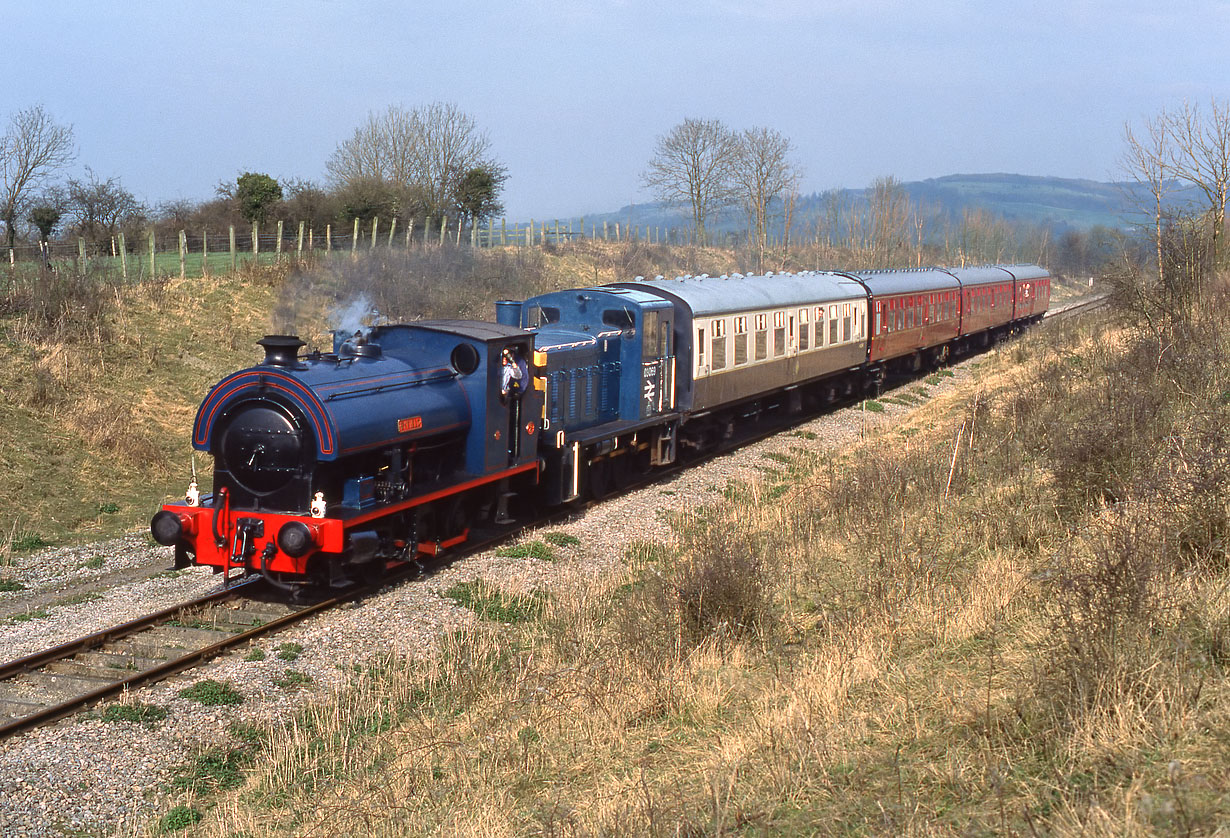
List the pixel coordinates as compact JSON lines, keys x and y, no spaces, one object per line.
{"x":657,"y":365}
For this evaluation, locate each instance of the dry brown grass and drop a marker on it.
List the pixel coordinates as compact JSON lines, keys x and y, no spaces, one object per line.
{"x":991,"y":652}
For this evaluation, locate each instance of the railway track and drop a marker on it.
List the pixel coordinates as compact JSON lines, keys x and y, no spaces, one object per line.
{"x":50,"y":685}
{"x":47,"y":686}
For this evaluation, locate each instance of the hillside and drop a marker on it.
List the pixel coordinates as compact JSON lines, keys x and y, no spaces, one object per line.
{"x":1060,"y":203}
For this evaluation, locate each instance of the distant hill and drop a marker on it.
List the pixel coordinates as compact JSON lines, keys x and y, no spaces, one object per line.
{"x":1060,"y":203}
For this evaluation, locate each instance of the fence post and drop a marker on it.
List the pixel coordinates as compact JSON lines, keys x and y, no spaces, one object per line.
{"x":299,"y":244}
{"x":153,"y":267}
{"x":204,"y":251}
{"x":409,"y":233}
{"x":557,"y":231}
{"x":81,"y":252}
{"x":529,"y":234}
{"x":426,"y":231}
{"x":443,"y":229}
{"x":328,"y":238}
{"x":123,"y":258}
{"x":234,"y":250}
{"x":375,"y":229}
{"x":256,"y":241}
{"x":606,"y":232}
{"x":474,"y":235}
{"x":503,"y":232}
{"x":12,"y":257}
{"x":183,"y":254}
{"x":392,"y":230}
{"x":277,"y":249}
{"x":354,"y":239}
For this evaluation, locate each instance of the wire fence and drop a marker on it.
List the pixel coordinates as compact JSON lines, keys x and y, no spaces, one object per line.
{"x":151,"y":253}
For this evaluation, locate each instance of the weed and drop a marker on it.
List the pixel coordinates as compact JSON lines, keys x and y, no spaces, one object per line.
{"x":250,"y":735}
{"x":809,"y":435}
{"x":180,"y":817}
{"x":256,"y":653}
{"x":216,"y":769}
{"x":527,"y":550}
{"x":25,"y":617}
{"x":873,"y":406}
{"x":27,"y":542}
{"x":213,"y":693}
{"x":778,"y":457}
{"x":93,"y":563}
{"x":7,"y":585}
{"x":292,"y":679}
{"x":108,"y":508}
{"x":78,"y":599}
{"x":489,"y":603}
{"x":145,"y":714}
{"x":561,"y":539}
{"x":289,"y":651}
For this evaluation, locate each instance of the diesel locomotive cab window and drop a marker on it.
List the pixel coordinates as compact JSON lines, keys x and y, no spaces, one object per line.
{"x":618,"y":318}
{"x":539,"y":316}
{"x":653,"y":334}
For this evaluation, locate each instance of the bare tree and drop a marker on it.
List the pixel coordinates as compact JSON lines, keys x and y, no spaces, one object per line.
{"x":383,"y":148}
{"x":422,"y":150}
{"x":1146,"y":161}
{"x":890,"y":216}
{"x":693,"y":163}
{"x":32,"y":149}
{"x":99,"y":207}
{"x":1200,"y":155}
{"x":762,"y":171}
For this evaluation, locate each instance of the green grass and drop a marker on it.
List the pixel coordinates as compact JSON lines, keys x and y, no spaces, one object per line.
{"x":494,"y":605}
{"x":561,"y":539}
{"x":94,"y":563}
{"x":8,"y":585}
{"x":289,"y":651}
{"x":145,"y":714}
{"x":216,"y":769}
{"x":292,"y":679}
{"x":37,"y":614}
{"x":213,"y":693}
{"x":179,"y":818}
{"x":256,"y":653}
{"x":873,"y":406}
{"x":528,"y":550}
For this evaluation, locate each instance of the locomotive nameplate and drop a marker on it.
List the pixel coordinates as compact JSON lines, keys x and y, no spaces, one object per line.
{"x":412,"y":423}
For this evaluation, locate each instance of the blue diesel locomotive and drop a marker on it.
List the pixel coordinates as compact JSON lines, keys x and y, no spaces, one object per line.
{"x":328,"y":466}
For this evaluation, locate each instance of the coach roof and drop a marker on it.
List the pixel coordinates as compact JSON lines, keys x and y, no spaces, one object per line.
{"x":707,"y":295}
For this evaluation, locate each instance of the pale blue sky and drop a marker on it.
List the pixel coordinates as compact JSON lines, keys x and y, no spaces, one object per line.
{"x":172,"y":97}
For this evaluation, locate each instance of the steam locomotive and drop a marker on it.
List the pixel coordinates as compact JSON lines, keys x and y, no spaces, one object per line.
{"x":401,"y":439}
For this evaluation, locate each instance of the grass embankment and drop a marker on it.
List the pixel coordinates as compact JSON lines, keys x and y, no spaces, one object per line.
{"x":1010,"y":616}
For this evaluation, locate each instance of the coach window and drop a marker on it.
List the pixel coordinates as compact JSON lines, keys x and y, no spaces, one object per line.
{"x":832,"y":325}
{"x":804,"y":330}
{"x":700,"y":349}
{"x":740,"y":340}
{"x":819,"y":321}
{"x":845,"y":321}
{"x":779,"y":333}
{"x":762,"y":336}
{"x":719,"y":344}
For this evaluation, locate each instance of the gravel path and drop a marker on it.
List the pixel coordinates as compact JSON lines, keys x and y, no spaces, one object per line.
{"x":84,"y":776}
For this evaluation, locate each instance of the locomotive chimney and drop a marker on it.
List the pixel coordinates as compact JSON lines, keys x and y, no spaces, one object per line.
{"x":281,"y":350}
